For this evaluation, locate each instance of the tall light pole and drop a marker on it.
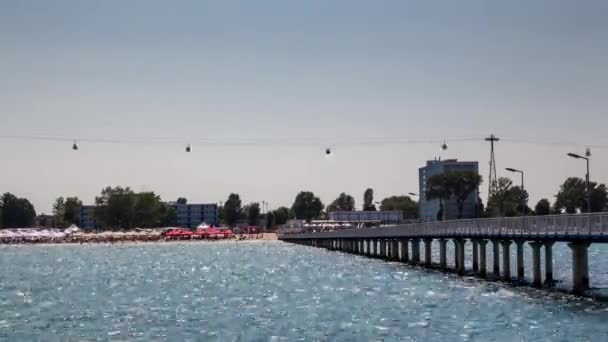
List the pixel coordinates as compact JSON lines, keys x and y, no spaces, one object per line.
{"x":523,"y":197}
{"x":576,"y":156}
{"x":492,"y":180}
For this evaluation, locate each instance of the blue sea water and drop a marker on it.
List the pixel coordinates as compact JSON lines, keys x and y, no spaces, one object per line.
{"x":272,"y":291}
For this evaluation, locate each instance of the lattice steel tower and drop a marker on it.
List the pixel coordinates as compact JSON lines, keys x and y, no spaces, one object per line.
{"x":492,"y":180}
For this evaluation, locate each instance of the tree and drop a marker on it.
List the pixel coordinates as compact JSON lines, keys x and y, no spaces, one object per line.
{"x":480,"y":208}
{"x":307,"y":206}
{"x":182,"y":200}
{"x":16,"y":212}
{"x":344,"y":202}
{"x":437,"y":187}
{"x":599,"y":198}
{"x":232,"y":209}
{"x":281,"y":215}
{"x":573,"y":196}
{"x":506,"y":199}
{"x":368,"y":200}
{"x":404,"y":204}
{"x":269,"y":221}
{"x":115,"y":208}
{"x":147,"y":210}
{"x":71,"y":211}
{"x":516,"y":197}
{"x":543,"y":207}
{"x":461,"y":184}
{"x":58,"y":211}
{"x":220,"y":214}
{"x":168,"y":215}
{"x":253,"y":214}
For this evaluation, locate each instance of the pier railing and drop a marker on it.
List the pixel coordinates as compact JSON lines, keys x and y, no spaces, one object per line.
{"x":558,"y":227}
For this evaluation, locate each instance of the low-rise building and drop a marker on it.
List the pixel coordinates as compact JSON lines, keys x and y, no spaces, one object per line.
{"x":191,"y":215}
{"x":44,"y":221}
{"x":383,"y":217}
{"x":87,"y":218}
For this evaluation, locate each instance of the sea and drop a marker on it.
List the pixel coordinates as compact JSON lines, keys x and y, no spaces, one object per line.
{"x":275,"y":291}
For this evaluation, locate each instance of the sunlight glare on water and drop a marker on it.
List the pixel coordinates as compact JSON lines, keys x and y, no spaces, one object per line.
{"x":263,"y":291}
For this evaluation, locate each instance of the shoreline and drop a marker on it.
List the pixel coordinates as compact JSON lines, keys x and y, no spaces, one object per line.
{"x":126,"y":238}
{"x":137,"y":243}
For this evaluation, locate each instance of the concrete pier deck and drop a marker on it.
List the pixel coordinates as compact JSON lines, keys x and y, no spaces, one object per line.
{"x":402,"y":242}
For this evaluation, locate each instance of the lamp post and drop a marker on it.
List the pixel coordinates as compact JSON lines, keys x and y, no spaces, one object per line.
{"x":523,"y":198}
{"x":576,"y":156}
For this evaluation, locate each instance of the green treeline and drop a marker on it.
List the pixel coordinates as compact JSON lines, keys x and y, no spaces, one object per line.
{"x":122,"y":208}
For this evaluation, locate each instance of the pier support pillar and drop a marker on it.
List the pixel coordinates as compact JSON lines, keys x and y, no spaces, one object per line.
{"x":496,"y":257}
{"x":395,"y":249}
{"x":520,"y":260}
{"x":383,"y":245}
{"x":549,"y":263}
{"x":405,"y":254}
{"x":456,"y":267}
{"x":506,"y":259}
{"x":536,"y":280}
{"x":475,"y":243}
{"x":366,"y":247}
{"x":428,"y":243}
{"x":461,"y":264}
{"x":415,"y":251}
{"x":482,"y":257}
{"x":580,"y":266}
{"x":443,"y":263}
{"x":387,"y":249}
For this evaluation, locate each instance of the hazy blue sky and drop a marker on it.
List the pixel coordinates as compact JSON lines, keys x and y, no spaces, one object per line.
{"x":329,"y":73}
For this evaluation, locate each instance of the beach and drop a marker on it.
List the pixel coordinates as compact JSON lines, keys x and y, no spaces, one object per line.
{"x":128,"y":237}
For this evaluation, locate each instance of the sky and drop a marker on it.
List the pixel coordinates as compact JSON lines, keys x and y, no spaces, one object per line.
{"x":261,"y":88}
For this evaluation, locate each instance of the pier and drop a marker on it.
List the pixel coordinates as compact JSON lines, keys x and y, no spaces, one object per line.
{"x":540,"y":233}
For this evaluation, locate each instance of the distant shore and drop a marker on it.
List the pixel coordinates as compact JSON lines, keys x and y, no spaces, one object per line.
{"x":129,"y":237}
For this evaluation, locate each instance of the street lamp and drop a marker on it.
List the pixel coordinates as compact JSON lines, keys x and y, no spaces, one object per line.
{"x":523,"y":198}
{"x":576,"y":156}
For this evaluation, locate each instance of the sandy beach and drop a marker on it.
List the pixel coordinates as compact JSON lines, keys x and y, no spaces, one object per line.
{"x":134,"y":238}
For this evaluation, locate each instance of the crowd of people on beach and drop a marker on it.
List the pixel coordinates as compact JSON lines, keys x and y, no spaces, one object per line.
{"x":111,"y":237}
